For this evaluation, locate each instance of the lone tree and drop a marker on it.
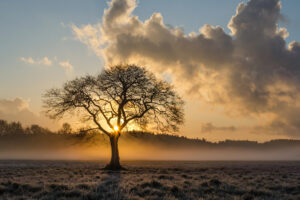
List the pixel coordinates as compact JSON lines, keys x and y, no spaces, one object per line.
{"x":120,"y":96}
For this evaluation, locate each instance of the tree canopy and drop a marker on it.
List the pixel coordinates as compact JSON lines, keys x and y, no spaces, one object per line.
{"x":118,"y":96}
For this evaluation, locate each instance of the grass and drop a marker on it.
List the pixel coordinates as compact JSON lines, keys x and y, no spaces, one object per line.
{"x":149,"y":180}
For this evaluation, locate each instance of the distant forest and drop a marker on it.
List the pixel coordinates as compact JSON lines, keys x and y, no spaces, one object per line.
{"x":15,"y":132}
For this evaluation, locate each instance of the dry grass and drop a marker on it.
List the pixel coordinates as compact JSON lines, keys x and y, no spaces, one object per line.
{"x":149,"y":180}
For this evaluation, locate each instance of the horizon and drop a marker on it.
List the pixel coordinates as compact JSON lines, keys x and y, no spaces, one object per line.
{"x":26,"y":130}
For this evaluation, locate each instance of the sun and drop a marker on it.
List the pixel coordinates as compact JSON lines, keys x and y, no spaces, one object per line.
{"x":116,"y":128}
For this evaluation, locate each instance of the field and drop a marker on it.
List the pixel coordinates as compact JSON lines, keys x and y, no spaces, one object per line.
{"x":149,"y":180}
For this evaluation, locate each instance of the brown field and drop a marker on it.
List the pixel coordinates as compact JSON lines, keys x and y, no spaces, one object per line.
{"x":149,"y":180}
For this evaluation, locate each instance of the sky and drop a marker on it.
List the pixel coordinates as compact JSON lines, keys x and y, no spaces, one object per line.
{"x":236,"y":65}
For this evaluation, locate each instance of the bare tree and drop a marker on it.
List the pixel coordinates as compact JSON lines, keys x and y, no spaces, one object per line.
{"x":119,"y":97}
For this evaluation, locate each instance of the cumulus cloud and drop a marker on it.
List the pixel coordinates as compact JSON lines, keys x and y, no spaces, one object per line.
{"x":251,"y":71}
{"x":18,"y":110}
{"x":67,"y":66}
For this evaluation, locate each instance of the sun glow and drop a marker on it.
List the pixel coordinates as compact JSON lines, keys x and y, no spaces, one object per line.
{"x":116,"y":128}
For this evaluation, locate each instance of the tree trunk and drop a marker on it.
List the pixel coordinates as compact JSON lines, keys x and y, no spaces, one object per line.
{"x":115,"y":159}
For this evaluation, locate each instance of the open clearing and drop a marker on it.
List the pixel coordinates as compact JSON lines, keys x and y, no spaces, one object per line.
{"x":21,"y":179}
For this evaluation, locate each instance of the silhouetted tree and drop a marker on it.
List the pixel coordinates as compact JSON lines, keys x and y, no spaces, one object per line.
{"x":65,"y":129}
{"x":15,"y":128}
{"x":3,"y":127}
{"x":114,"y":99}
{"x":35,"y":129}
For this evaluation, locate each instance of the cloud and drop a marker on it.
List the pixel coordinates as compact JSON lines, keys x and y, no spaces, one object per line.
{"x":27,"y":60}
{"x":89,"y":35}
{"x":45,"y":61}
{"x":250,"y":72}
{"x":13,"y":106}
{"x":285,"y":123}
{"x":18,"y":110}
{"x":209,"y":127}
{"x":67,"y":66}
{"x":48,"y":62}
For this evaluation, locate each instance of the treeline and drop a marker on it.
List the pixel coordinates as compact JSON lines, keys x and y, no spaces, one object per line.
{"x":183,"y":142}
{"x":88,"y":136}
{"x":16,"y":128}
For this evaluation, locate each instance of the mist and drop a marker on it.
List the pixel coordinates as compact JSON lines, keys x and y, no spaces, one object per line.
{"x":143,"y":146}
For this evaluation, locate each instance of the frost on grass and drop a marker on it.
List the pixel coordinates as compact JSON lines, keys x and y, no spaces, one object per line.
{"x":149,"y":180}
